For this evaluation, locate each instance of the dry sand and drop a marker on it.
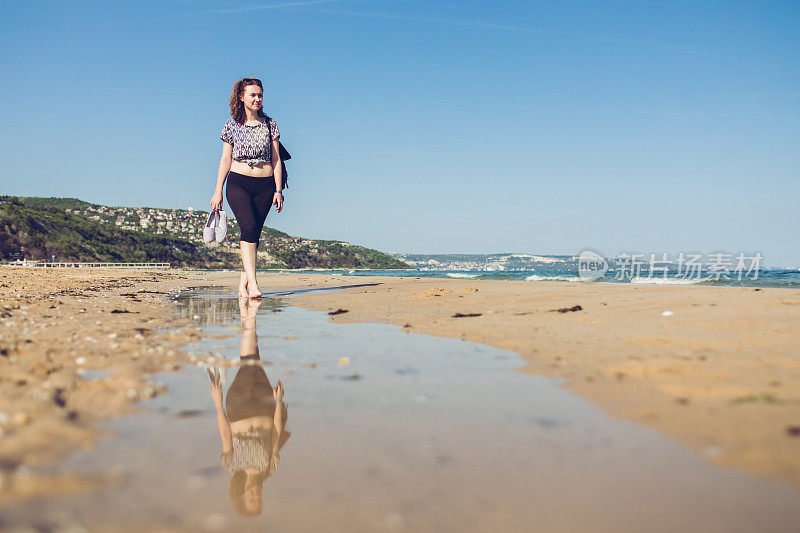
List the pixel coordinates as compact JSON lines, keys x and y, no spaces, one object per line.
{"x":58,"y":328}
{"x":720,"y":375}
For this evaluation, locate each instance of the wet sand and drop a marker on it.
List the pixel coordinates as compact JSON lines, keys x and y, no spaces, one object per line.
{"x":387,"y":431}
{"x":720,"y":375}
{"x":59,"y":330}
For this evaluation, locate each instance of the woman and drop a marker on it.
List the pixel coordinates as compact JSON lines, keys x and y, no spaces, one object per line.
{"x":252,"y":165}
{"x":252,"y":421}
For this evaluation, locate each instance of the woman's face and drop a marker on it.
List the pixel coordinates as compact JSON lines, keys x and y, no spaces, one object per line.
{"x":252,"y":97}
{"x":252,"y":500}
{"x":252,"y":495}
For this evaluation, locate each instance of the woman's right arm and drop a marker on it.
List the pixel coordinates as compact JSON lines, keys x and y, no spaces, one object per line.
{"x":278,"y":420}
{"x":224,"y":167}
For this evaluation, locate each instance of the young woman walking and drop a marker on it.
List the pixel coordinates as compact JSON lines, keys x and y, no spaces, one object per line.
{"x":252,"y":166}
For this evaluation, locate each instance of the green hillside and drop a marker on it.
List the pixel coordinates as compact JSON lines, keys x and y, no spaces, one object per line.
{"x":74,"y":230}
{"x":31,"y":232}
{"x":58,"y":203}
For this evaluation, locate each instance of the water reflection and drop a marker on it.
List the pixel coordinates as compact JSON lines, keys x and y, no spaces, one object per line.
{"x":413,"y":433}
{"x":251,"y":419}
{"x":208,"y":308}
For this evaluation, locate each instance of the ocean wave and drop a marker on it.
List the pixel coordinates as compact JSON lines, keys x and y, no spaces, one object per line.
{"x":461,"y":275}
{"x":536,"y":277}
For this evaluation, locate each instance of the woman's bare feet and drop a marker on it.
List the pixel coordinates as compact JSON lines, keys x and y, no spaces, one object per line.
{"x":252,"y":309}
{"x":243,"y":301}
{"x":243,"y":286}
{"x":255,"y":294}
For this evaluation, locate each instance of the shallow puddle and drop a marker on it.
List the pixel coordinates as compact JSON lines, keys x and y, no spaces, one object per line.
{"x":385,"y":430}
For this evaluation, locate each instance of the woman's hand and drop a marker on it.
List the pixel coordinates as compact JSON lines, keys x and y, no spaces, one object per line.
{"x":277,"y":392}
{"x":216,"y":394}
{"x":277,"y":201}
{"x":216,"y":200}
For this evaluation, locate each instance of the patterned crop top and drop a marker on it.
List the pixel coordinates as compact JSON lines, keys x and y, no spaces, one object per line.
{"x":251,"y":144}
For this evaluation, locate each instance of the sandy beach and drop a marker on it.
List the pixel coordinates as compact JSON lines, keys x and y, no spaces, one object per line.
{"x":59,"y":330}
{"x":720,"y":374}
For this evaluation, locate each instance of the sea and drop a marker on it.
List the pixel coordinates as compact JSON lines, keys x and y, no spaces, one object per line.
{"x":728,"y":270}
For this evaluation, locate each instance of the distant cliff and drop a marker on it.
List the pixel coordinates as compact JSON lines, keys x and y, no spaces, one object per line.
{"x":74,"y":230}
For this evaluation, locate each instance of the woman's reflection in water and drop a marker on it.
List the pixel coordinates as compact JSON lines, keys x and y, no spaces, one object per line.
{"x":251,"y":422}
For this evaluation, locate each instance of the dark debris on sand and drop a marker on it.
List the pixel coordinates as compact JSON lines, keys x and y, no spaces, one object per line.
{"x":567,"y":309}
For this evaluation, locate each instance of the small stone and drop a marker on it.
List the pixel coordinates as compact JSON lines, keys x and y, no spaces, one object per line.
{"x":395,"y":522}
{"x":138,"y":336}
{"x":712,"y":452}
{"x":132,"y":394}
{"x":21,"y":419}
{"x":112,"y":335}
{"x":149,"y":392}
{"x":344,"y":361}
{"x":81,"y":361}
{"x":667,"y":313}
{"x":215,"y":522}
{"x":195,"y":483}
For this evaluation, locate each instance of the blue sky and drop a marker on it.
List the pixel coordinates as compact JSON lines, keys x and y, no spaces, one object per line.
{"x":428,"y":126}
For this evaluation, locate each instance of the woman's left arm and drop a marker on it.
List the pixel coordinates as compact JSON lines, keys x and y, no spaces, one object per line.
{"x":277,"y":169}
{"x":222,"y":419}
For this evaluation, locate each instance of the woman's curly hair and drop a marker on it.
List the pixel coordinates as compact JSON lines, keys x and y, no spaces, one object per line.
{"x":237,"y":106}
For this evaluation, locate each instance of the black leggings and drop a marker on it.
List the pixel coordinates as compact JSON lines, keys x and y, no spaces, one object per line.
{"x":250,"y":395}
{"x":250,"y":200}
